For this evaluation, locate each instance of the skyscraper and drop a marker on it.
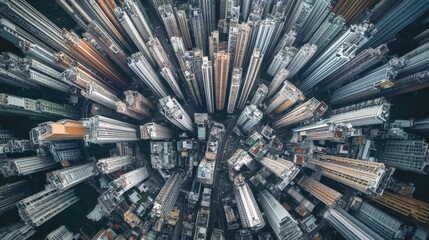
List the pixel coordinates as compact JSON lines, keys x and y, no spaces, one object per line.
{"x":155,"y":131}
{"x":312,"y":108}
{"x":164,"y":202}
{"x":249,"y":118}
{"x":241,"y":44}
{"x":213,"y":44}
{"x":139,"y":64}
{"x":208,"y":83}
{"x":408,"y":155}
{"x":57,"y":131}
{"x":61,"y":233}
{"x":280,"y":220}
{"x":221,"y":68}
{"x":348,"y":226}
{"x":99,"y":130}
{"x":172,"y":78}
{"x":285,"y":98}
{"x":10,"y":104}
{"x":184,"y":28}
{"x":375,"y":111}
{"x":259,"y":95}
{"x":170,"y":23}
{"x":384,"y":224}
{"x":265,"y":33}
{"x":192,"y":85}
{"x":174,"y":112}
{"x":322,"y":192}
{"x":99,"y":94}
{"x":42,"y":206}
{"x":68,"y":177}
{"x":281,"y":167}
{"x":250,"y":215}
{"x":26,"y":165}
{"x":277,"y":81}
{"x":198,"y":30}
{"x":158,"y":53}
{"x":12,"y":193}
{"x":407,"y":207}
{"x":113,"y":164}
{"x":234,"y":89}
{"x":366,"y":86}
{"x":251,"y":75}
{"x":368,"y":177}
{"x":209,"y":14}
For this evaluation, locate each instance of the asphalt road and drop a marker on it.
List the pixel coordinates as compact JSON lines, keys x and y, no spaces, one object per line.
{"x":216,"y":209}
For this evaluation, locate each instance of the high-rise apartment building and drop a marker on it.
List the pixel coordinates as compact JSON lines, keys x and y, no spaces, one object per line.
{"x":192,"y":85}
{"x":251,"y":75}
{"x":113,"y":164}
{"x":299,"y":15}
{"x":241,"y":45}
{"x":62,"y":233}
{"x":213,"y":44}
{"x":138,"y":103}
{"x":311,"y":109}
{"x":169,"y":19}
{"x":280,"y":220}
{"x":284,"y":99}
{"x":184,"y":28}
{"x":155,"y":131}
{"x":100,"y":94}
{"x":57,"y":131}
{"x":158,"y":53}
{"x":129,"y":180}
{"x":282,"y":168}
{"x":234,"y":89}
{"x":250,"y":215}
{"x":384,"y":224}
{"x":408,"y":155}
{"x":174,"y":112}
{"x":277,"y":81}
{"x":26,"y":165}
{"x":140,"y":66}
{"x":407,"y":207}
{"x":10,"y":104}
{"x":322,"y":192}
{"x":324,"y":130}
{"x":17,"y":230}
{"x":305,"y":53}
{"x":133,"y":33}
{"x":208,"y":81}
{"x":368,"y":177}
{"x":42,"y":206}
{"x":265,"y":33}
{"x":209,"y":14}
{"x":259,"y":95}
{"x":198,"y":29}
{"x":164,"y":202}
{"x":282,"y":60}
{"x":249,"y":118}
{"x":221,"y":68}
{"x":348,"y":226}
{"x":193,"y":61}
{"x":68,"y":177}
{"x":364,"y":87}
{"x":99,"y":130}
{"x":172,"y":78}
{"x":375,"y":111}
{"x":363,"y":61}
{"x":11,"y":193}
